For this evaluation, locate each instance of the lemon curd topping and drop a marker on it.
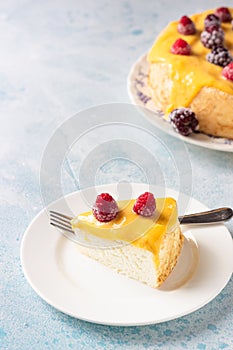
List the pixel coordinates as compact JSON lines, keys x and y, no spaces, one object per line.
{"x":143,"y":232}
{"x":189,"y":74}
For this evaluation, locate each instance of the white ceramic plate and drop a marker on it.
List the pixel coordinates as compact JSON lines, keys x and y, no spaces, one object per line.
{"x":139,"y":94}
{"x":83,"y":288}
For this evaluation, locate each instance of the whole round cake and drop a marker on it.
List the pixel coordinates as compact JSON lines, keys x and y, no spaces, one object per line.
{"x":191,"y":73}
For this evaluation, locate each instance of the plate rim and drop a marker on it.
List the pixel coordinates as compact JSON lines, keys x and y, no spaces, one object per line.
{"x":94,"y":319}
{"x":169,"y":131}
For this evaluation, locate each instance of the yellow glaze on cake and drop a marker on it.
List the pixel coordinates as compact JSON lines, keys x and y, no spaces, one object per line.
{"x":142,"y":232}
{"x":189,"y":74}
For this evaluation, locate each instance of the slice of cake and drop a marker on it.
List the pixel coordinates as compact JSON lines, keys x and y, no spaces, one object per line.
{"x":191,"y":67}
{"x":147,"y":236}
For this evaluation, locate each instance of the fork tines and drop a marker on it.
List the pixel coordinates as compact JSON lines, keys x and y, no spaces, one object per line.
{"x":61,"y":221}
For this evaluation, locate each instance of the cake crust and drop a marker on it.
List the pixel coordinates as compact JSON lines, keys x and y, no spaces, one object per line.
{"x":169,"y":254}
{"x":214,"y":108}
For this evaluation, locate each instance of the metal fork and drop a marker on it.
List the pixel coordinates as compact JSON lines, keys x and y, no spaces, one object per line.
{"x":63,"y":221}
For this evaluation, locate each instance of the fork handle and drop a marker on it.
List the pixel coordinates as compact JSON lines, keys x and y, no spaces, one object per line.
{"x":207,"y":217}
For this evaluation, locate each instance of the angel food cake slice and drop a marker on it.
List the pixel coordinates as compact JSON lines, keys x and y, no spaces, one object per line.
{"x":191,"y":73}
{"x":149,"y":232}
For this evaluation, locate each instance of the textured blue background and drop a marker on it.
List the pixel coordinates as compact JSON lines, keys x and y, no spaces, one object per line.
{"x":56,"y":59}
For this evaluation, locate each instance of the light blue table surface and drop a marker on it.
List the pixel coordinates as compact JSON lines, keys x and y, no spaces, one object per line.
{"x":58,"y":58}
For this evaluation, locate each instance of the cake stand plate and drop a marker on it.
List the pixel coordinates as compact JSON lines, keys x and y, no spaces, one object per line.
{"x":138,"y":91}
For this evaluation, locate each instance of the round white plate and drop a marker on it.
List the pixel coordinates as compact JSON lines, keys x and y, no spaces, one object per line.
{"x":80,"y":287}
{"x":138,"y":91}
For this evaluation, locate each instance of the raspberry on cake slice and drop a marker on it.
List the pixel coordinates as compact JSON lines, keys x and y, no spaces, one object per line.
{"x":147,"y":233}
{"x":145,"y":204}
{"x":105,"y":208}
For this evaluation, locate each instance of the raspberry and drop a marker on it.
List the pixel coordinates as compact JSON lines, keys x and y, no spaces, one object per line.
{"x":219,"y":56}
{"x":212,"y":37}
{"x":145,"y":204}
{"x":227,"y":72}
{"x":212,"y":20}
{"x":181,"y":47}
{"x":186,"y":26}
{"x":223,"y":14}
{"x":105,"y":208}
{"x":183,"y":121}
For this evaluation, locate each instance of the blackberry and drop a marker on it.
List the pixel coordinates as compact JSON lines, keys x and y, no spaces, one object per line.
{"x":219,"y":56}
{"x":183,"y":121}
{"x":212,"y":37}
{"x":212,"y":19}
